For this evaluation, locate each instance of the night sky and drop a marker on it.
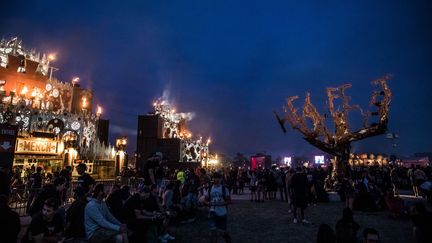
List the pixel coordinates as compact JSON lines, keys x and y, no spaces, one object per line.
{"x":234,"y":62}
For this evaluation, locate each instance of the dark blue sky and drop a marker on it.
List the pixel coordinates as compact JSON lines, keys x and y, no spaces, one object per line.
{"x":234,"y":62}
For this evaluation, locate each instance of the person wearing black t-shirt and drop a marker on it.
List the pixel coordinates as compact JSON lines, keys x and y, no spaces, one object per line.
{"x":149,"y":171}
{"x":5,"y":181}
{"x":299,"y":185}
{"x":67,"y":174}
{"x":35,"y":183}
{"x":114,"y":202}
{"x":137,"y":220}
{"x":150,"y":203}
{"x":46,"y":226}
{"x":9,"y":221}
{"x":54,"y":190}
{"x":151,"y":206}
{"x":75,"y":227}
{"x":85,"y":180}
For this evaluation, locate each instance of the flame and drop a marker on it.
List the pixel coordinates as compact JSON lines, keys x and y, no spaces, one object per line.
{"x":99,"y":111}
{"x":24,"y":90}
{"x":52,"y":56}
{"x":34,"y":93}
{"x":84,"y":102}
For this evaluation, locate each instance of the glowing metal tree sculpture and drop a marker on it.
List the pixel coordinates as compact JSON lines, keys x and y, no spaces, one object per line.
{"x":338,"y":143}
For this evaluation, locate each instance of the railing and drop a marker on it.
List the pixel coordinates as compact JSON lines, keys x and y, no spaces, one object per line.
{"x":21,"y":197}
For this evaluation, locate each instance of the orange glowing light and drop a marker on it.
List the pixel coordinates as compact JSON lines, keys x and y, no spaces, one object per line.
{"x":24,"y":90}
{"x":84,"y":102}
{"x":99,"y":111}
{"x":52,"y":56}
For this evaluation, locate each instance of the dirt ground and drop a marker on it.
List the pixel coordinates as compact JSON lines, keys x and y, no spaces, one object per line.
{"x":270,"y":222}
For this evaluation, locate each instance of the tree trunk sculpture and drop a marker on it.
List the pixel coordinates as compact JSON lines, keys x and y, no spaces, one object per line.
{"x":339,"y":142}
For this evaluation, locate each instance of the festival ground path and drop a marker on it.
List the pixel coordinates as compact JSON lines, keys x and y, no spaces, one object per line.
{"x":270,"y":221}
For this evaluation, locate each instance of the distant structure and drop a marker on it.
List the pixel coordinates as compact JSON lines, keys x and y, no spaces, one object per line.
{"x":164,"y":130}
{"x":56,"y":122}
{"x":260,"y":161}
{"x":313,"y":125}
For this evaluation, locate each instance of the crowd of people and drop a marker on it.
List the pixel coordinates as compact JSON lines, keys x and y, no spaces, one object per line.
{"x":146,"y":211}
{"x":377,"y":188}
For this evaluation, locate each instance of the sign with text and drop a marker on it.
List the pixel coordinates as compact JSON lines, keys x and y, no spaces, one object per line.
{"x":8,"y":134}
{"x":37,"y":146}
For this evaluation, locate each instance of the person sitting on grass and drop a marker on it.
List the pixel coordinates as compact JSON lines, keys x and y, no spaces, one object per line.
{"x":370,"y":235}
{"x":346,"y":228}
{"x":9,"y":221}
{"x":75,"y":228}
{"x":325,"y":234}
{"x":169,"y":205}
{"x":151,"y":207}
{"x":394,"y":203}
{"x":142,"y":223}
{"x":422,"y":223}
{"x":100,"y":224}
{"x":47,"y":225}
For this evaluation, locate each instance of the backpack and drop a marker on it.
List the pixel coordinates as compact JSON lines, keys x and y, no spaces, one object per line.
{"x":223,"y":192}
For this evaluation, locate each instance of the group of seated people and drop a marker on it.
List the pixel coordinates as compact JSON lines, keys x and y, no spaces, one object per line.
{"x":346,"y":231}
{"x":366,"y":194}
{"x":94,"y":217}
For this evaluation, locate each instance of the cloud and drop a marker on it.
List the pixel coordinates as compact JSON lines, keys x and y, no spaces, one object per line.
{"x":115,"y":129}
{"x":187,"y":116}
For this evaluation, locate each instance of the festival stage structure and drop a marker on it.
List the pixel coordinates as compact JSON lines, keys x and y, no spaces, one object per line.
{"x":338,"y":142}
{"x":57,"y":124}
{"x":164,"y":130}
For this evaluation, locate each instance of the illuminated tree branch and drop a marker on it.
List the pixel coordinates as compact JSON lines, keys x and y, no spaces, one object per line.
{"x":338,"y":143}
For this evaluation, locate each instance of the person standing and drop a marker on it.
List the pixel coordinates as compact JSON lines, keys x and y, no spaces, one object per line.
{"x":253,"y":186}
{"x":67,"y":174}
{"x":35,"y":186}
{"x":217,"y":199}
{"x":52,"y":190}
{"x":150,"y":168}
{"x":288,"y":176}
{"x":394,"y":178}
{"x":299,"y":185}
{"x":410,"y":175}
{"x":84,"y":179}
{"x":419,"y":178}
